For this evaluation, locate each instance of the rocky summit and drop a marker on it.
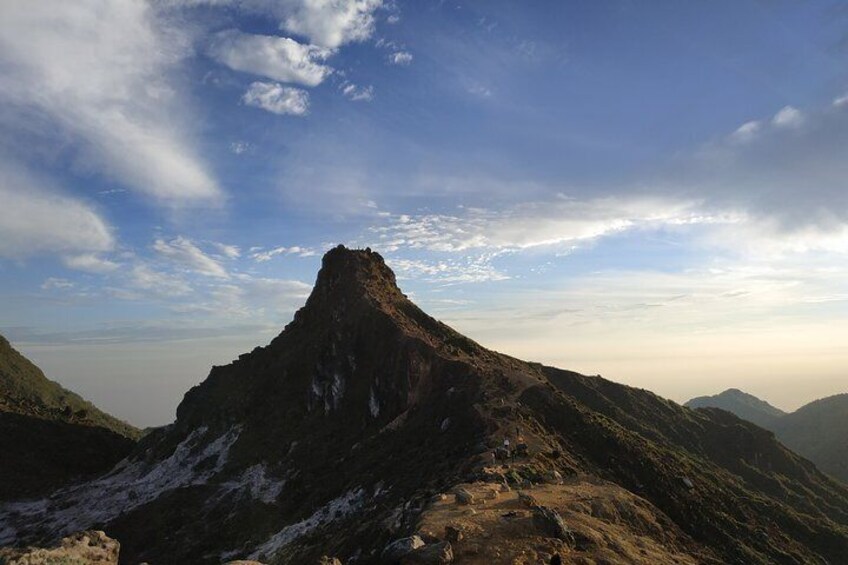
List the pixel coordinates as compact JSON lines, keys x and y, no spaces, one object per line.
{"x":369,"y":432}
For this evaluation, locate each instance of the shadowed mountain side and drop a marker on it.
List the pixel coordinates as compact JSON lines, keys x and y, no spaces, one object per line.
{"x":49,"y":436}
{"x":817,"y":431}
{"x":40,"y":456}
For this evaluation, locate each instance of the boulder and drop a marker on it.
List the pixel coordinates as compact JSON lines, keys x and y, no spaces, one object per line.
{"x":555,"y":477}
{"x":430,"y":554}
{"x":551,"y":523}
{"x":463,"y":496}
{"x":453,"y":534}
{"x":527,"y":499}
{"x":398,"y":549}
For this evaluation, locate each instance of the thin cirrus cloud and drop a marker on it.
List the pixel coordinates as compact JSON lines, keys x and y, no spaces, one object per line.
{"x":36,"y":220}
{"x":276,"y":98}
{"x":90,"y":263}
{"x":183,"y":252}
{"x":562,"y":221}
{"x":100,"y":72}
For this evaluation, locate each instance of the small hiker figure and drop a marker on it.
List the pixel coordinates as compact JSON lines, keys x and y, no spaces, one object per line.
{"x":506,"y":447}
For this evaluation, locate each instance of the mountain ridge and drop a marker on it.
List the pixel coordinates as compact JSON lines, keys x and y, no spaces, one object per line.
{"x":345,"y":431}
{"x":818,"y":430}
{"x":50,"y":436}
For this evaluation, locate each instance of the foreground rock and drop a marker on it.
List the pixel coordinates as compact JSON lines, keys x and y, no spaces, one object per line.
{"x":83,"y":548}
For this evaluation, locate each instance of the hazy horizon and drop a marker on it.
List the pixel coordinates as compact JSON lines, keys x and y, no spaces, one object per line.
{"x":656,"y":192}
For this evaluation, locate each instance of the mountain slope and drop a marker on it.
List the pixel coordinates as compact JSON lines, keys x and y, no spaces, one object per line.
{"x":746,"y":406}
{"x":339,"y":436}
{"x":50,"y":436}
{"x":26,"y":391}
{"x":819,"y":432}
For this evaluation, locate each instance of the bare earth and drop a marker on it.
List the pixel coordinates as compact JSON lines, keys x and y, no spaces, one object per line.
{"x":611,"y":525}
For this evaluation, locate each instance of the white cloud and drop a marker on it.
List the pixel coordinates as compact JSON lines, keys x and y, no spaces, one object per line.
{"x":841,"y":101}
{"x":330,"y":23}
{"x":471,"y":269}
{"x":101,"y":71}
{"x":358,"y":93}
{"x":792,"y":171}
{"x":56,"y":284}
{"x":262,"y":256}
{"x":402,"y":58}
{"x":89,"y":262}
{"x":278,"y":58}
{"x":239,"y":147}
{"x":563,"y":222}
{"x":746,"y":131}
{"x":35,"y":220}
{"x":249,"y":297}
{"x":182,"y":251}
{"x":158,"y":283}
{"x":277,"y":99}
{"x":788,"y":117}
{"x":228,"y":251}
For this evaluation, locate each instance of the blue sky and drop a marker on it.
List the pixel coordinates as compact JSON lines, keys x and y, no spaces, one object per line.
{"x":654,"y":191}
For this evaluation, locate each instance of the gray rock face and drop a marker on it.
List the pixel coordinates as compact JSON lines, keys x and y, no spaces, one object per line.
{"x":430,"y":554}
{"x":398,"y":549}
{"x":551,"y":523}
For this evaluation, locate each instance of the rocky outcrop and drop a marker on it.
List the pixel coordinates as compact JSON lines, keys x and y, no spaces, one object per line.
{"x":83,"y":548}
{"x":551,"y":524}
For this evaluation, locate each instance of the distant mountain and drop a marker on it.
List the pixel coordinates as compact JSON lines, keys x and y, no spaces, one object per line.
{"x":50,"y":436}
{"x":746,"y":406}
{"x":371,"y":432}
{"x":818,"y":430}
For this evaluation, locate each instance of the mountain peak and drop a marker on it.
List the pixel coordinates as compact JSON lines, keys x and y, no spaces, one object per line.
{"x":362,"y":269}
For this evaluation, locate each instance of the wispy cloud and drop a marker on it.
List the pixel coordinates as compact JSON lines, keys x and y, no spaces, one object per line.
{"x":35,"y":218}
{"x":401,"y":58}
{"x":563,"y":221}
{"x":260,"y":256}
{"x":277,"y":99}
{"x":102,"y":74}
{"x":90,"y":262}
{"x":186,"y":254}
{"x":357,"y":93}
